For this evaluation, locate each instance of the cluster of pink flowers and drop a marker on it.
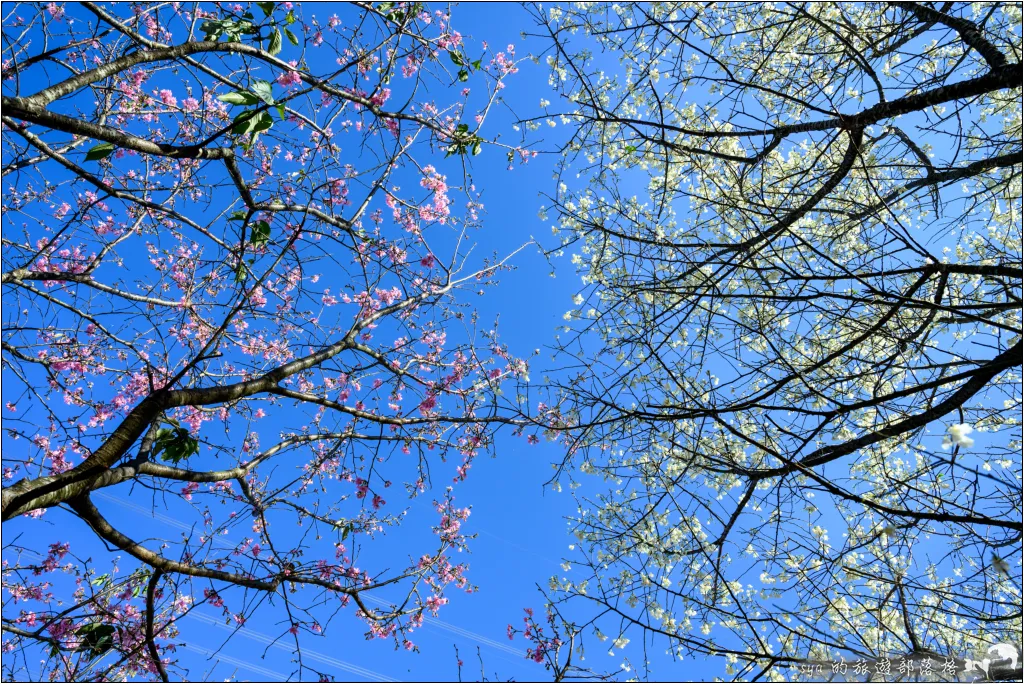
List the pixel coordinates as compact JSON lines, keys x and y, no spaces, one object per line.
{"x":412,"y":65}
{"x":505,"y":64}
{"x":213,"y":598}
{"x":380,"y":97}
{"x":153,"y":29}
{"x":440,"y":209}
{"x":192,"y":417}
{"x":428,"y":404}
{"x":132,"y":88}
{"x":390,"y":296}
{"x":451,"y":521}
{"x":434,"y":603}
{"x":258,"y":297}
{"x":369,"y":303}
{"x":289,"y":79}
{"x":271,"y":350}
{"x":57,"y":457}
{"x":535,"y":633}
{"x":65,"y":260}
{"x":53,"y":558}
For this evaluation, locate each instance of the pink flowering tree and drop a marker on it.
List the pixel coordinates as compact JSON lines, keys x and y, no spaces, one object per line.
{"x":235,"y":236}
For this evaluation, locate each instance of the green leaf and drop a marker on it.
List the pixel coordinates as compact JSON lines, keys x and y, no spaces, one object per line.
{"x":238,"y":215}
{"x":262,"y":122}
{"x":275,"y":42}
{"x":463,"y":75}
{"x":181,"y":449}
{"x":267,"y":7}
{"x":104,"y":149}
{"x":260,"y":233}
{"x":241,"y":272}
{"x":477,"y":64}
{"x":174,"y":444}
{"x":244,"y":122}
{"x":212,"y":28}
{"x":456,"y":58}
{"x":280,"y":111}
{"x":239,"y":97}
{"x":96,"y":638}
{"x":234,"y":30}
{"x":477,"y":148}
{"x":289,"y":18}
{"x":264,"y":91}
{"x":291,"y":36}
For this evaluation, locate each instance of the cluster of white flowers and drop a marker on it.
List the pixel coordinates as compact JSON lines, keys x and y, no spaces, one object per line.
{"x":958,"y":436}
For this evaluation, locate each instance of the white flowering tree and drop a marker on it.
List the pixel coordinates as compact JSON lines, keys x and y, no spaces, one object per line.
{"x":797,"y":349}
